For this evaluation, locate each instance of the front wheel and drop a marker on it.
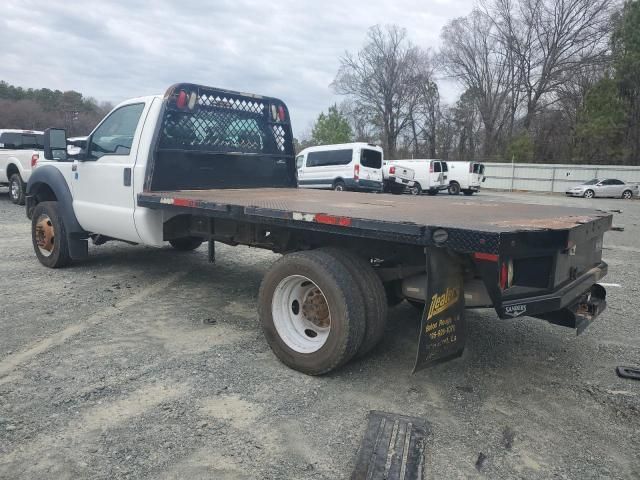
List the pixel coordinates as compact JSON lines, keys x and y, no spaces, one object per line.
{"x":416,"y":189}
{"x":49,"y":236}
{"x":627,"y":194}
{"x":16,"y":189}
{"x":186,"y":244}
{"x":589,"y":194}
{"x":312,"y":312}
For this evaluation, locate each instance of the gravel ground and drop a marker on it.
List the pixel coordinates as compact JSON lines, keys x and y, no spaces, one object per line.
{"x":147,"y":363}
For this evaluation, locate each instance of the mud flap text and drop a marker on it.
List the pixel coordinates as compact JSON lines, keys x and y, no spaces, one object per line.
{"x":442,"y":326}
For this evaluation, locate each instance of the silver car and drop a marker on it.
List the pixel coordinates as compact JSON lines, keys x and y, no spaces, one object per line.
{"x":610,"y":187}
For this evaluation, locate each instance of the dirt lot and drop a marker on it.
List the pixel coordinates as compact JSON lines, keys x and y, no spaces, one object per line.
{"x":145,"y":363}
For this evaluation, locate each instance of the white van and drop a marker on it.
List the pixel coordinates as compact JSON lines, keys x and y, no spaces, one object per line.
{"x":346,"y":166}
{"x":465,"y":177}
{"x":430,"y":175}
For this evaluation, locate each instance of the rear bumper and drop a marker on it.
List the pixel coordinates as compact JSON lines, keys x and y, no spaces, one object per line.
{"x":574,"y":305}
{"x":399,"y":181}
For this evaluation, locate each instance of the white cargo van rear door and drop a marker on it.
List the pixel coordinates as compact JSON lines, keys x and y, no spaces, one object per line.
{"x":370,"y":166}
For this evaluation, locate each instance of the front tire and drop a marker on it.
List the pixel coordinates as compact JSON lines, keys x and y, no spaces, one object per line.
{"x":49,"y":236}
{"x":16,"y":189}
{"x":416,"y":189}
{"x":186,"y":244}
{"x":627,"y":194}
{"x":589,"y":194}
{"x":312,"y":312}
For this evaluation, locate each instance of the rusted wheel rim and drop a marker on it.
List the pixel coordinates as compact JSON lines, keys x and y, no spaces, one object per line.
{"x":301,"y":314}
{"x":45,"y":235}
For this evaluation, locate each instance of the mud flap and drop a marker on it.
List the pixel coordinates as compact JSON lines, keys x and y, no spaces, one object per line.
{"x":442,"y":326}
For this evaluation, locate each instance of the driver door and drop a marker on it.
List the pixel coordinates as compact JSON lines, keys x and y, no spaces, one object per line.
{"x":102,"y":184}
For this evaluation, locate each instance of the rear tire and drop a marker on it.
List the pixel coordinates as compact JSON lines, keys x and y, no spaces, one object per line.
{"x":373,"y":295}
{"x":296,"y":296}
{"x":397,"y":189}
{"x":49,"y":236}
{"x":627,"y":194}
{"x":454,"y":188}
{"x":339,"y":186}
{"x":416,"y":189}
{"x":186,"y":244}
{"x":16,"y":189}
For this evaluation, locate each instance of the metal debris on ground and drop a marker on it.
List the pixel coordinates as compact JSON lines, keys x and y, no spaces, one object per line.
{"x":482,"y":461}
{"x":392,"y":448}
{"x":628,"y":372}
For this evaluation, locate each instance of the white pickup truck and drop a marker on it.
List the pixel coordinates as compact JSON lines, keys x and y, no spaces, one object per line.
{"x":20,"y":150}
{"x":203,"y":164}
{"x":396,"y":178}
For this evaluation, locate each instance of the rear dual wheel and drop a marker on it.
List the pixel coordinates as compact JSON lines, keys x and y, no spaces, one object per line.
{"x":321,"y":308}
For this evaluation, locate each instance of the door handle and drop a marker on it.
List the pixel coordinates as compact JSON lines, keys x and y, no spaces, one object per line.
{"x":127,"y":177}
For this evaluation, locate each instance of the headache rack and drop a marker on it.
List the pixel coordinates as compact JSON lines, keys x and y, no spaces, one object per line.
{"x":213,"y":138}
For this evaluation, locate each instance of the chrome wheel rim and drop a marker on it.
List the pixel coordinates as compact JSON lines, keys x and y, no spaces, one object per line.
{"x":15,"y":190}
{"x":301,"y":315}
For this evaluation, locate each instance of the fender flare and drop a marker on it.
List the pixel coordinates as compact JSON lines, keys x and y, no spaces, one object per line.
{"x":52,"y":178}
{"x":15,"y":161}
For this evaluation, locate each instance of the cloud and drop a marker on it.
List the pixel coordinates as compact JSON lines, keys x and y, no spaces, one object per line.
{"x":117,"y":49}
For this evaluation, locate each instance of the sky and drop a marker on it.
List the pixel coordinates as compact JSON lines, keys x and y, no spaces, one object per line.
{"x":117,"y":49}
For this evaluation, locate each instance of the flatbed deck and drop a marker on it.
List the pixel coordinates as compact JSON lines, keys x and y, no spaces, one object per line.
{"x":403,"y":215}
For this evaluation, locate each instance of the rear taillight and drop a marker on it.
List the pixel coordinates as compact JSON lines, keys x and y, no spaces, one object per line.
{"x":34,"y":159}
{"x":356,"y":172}
{"x":471,"y":168}
{"x":281,"y":114}
{"x":392,"y":170}
{"x":431,"y":167}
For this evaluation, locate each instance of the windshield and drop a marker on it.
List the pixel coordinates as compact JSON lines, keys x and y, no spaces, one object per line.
{"x":591,"y":182}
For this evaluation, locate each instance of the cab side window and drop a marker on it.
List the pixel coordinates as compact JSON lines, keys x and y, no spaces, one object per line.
{"x":115,"y":135}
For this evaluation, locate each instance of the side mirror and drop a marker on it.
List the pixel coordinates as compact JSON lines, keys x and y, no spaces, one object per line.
{"x":55,"y":144}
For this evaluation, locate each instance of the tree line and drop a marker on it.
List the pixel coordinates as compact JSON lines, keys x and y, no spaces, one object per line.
{"x":37,"y":109}
{"x":554,"y":81}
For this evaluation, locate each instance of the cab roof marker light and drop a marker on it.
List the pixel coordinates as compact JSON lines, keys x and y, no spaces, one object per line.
{"x":181,"y":101}
{"x":192,"y":100}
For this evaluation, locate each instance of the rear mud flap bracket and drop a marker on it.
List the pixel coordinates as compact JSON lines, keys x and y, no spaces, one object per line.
{"x":442,"y":325}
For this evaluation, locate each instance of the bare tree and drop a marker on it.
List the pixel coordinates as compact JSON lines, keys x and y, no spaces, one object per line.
{"x":549,"y":40}
{"x":473,"y":54}
{"x":380,"y":80}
